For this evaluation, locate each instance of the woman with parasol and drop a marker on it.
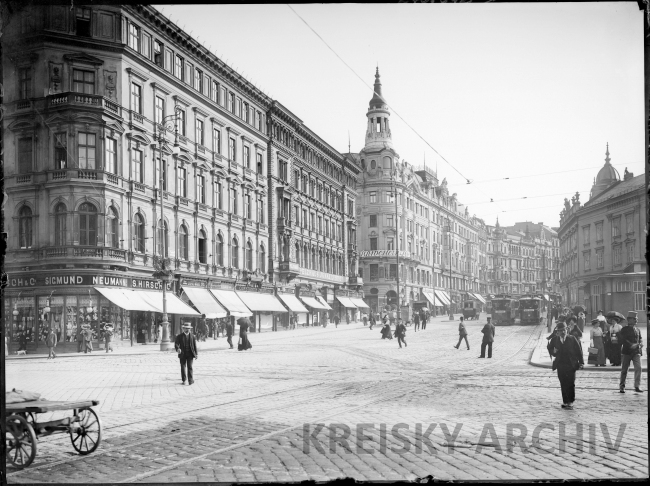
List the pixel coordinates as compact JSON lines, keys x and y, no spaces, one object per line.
{"x":611,"y":337}
{"x":244,"y":344}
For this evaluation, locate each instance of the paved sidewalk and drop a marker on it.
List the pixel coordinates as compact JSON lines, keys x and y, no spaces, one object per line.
{"x":541,"y":358}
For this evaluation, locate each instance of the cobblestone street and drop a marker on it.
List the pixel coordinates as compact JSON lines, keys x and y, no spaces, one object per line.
{"x":325,"y":403}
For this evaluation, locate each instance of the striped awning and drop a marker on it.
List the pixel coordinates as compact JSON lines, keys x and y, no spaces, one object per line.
{"x":346,"y":302}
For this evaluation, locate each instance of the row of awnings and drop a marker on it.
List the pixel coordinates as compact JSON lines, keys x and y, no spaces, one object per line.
{"x":478,"y":297}
{"x":437,"y":297}
{"x":219,"y":303}
{"x":352,"y":302}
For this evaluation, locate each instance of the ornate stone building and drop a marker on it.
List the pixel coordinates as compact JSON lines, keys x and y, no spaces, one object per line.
{"x":603,"y":245}
{"x":441,"y":247}
{"x":110,"y":110}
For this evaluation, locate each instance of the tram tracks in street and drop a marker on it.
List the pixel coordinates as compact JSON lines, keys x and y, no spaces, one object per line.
{"x":402,"y":388}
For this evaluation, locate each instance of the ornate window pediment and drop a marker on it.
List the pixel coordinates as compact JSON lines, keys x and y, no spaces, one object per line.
{"x":23,"y":124}
{"x":82,"y":58}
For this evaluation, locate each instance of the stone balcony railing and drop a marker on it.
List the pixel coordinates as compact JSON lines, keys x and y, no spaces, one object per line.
{"x":96,"y":252}
{"x":75,"y":100}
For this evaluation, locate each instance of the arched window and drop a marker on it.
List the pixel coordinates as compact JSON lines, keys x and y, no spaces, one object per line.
{"x":112,"y":225}
{"x":203,"y":247}
{"x":219,"y":250}
{"x":261,"y":263}
{"x":249,"y":256}
{"x":87,"y":225}
{"x":298,"y":254}
{"x":234,"y":257}
{"x":138,"y":233}
{"x":182,"y":243}
{"x":163,"y":239}
{"x":373,"y":164}
{"x":25,"y":227}
{"x":60,"y":226}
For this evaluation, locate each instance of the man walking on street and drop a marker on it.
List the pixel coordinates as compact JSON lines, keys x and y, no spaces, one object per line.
{"x":416,"y":321}
{"x":185,"y":345}
{"x":568,"y":359}
{"x":424,"y":317}
{"x":229,"y":332}
{"x":400,"y":333}
{"x":372,"y":320}
{"x":630,"y":338}
{"x":337,"y":319}
{"x":50,"y":341}
{"x":462,"y":334}
{"x":488,"y":338}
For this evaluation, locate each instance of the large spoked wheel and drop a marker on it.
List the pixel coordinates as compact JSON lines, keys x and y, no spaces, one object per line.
{"x":20,"y":442}
{"x":86,"y":434}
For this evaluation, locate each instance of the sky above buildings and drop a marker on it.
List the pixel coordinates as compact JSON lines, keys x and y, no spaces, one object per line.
{"x":483,"y":92}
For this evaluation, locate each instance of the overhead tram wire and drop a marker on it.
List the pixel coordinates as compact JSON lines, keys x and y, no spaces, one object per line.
{"x":468,"y":181}
{"x":502,"y":179}
{"x":516,"y":198}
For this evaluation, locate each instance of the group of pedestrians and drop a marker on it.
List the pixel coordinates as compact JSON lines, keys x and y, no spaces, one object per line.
{"x":623,"y":345}
{"x":488,"y":331}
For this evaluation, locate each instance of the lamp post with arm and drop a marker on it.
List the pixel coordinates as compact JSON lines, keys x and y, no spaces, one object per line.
{"x":393,"y":174}
{"x":163,"y":272}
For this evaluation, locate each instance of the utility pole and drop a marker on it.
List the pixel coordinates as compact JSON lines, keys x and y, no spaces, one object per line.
{"x":394,"y":179}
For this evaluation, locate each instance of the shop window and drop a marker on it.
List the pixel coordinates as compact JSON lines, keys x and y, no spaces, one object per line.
{"x":219,"y":250}
{"x":163,"y":239}
{"x":83,"y":81}
{"x":24,"y":322}
{"x":87,"y":225}
{"x":112,"y":228}
{"x":60,"y":224}
{"x":183,"y":243}
{"x":249,"y":256}
{"x":86,"y":150}
{"x":25,"y":227}
{"x":203,"y":246}
{"x":234,"y":260}
{"x":138,"y":234}
{"x":83,"y":18}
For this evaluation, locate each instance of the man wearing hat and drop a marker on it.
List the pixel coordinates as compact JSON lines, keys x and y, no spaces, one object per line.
{"x":568,"y":359}
{"x":185,"y":345}
{"x":632,"y":348}
{"x":488,"y":338}
{"x":108,"y":336}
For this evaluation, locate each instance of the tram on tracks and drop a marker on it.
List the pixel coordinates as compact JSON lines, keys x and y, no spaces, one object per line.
{"x":504,"y":310}
{"x":532,"y":310}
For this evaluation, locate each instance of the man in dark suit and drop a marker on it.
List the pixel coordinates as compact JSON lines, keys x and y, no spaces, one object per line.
{"x":631,"y":351}
{"x":185,"y":345}
{"x":568,"y":359}
{"x":488,"y":338}
{"x":229,"y":332}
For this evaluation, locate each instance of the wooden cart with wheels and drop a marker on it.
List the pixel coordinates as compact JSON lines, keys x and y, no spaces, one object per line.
{"x":23,"y":428}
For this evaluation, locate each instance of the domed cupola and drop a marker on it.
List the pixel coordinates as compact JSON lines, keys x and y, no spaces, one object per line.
{"x":607,"y":176}
{"x":378,"y":134}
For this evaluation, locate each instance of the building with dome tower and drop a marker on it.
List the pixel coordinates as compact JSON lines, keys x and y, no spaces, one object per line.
{"x":439,"y":245}
{"x":602,"y":245}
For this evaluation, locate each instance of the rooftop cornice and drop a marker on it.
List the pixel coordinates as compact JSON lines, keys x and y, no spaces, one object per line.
{"x":148,"y":13}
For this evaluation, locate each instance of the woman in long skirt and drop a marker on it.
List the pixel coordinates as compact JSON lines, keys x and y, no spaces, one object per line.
{"x":244,"y":343}
{"x":614,"y":352}
{"x":596,"y":336}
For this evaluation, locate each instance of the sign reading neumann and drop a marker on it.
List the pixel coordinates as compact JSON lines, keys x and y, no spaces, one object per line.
{"x":383,"y":253}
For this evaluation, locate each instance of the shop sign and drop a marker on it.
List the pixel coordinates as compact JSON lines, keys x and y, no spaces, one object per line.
{"x":75,"y":280}
{"x":191,"y":282}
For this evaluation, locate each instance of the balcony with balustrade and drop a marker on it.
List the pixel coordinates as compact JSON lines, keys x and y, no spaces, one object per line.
{"x":90,"y":252}
{"x":75,"y":101}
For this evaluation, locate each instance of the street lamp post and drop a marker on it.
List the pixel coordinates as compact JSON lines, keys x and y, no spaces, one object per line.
{"x":451,"y":312}
{"x":165,"y":274}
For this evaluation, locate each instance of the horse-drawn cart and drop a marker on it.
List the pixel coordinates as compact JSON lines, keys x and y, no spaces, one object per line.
{"x":23,"y":429}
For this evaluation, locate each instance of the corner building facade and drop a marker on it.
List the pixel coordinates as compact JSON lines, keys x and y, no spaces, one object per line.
{"x":442,"y":248}
{"x":94,"y":98}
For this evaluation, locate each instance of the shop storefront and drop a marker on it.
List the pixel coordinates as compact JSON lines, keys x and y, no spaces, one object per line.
{"x":132,"y":305}
{"x":295,"y":308}
{"x":195,"y":292}
{"x":317,"y":309}
{"x":266,"y":308}
{"x":344,"y":307}
{"x":229,"y":300}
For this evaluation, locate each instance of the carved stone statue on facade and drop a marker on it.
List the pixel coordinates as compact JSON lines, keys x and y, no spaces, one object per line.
{"x":577,"y":196}
{"x":567,"y":204}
